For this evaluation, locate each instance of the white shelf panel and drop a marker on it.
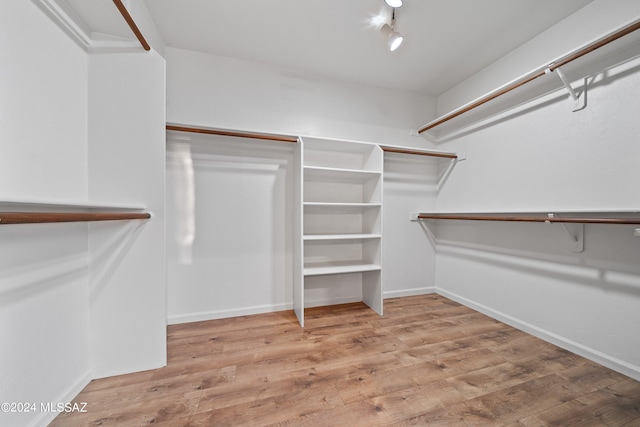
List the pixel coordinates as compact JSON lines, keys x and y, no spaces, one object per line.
{"x":325,"y":207}
{"x":317,"y":237}
{"x":339,"y":175}
{"x":320,"y":269}
{"x":341,"y":154}
{"x":9,"y":204}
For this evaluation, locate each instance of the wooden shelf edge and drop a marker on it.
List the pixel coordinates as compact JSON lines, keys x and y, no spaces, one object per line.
{"x":57,"y":217}
{"x":419,"y":152}
{"x":132,"y":25}
{"x":239,"y":134}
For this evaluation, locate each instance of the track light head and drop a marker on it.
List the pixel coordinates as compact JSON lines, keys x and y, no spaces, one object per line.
{"x":394,"y":38}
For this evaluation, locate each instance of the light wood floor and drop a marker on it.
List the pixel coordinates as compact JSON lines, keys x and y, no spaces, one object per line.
{"x":428,"y":361}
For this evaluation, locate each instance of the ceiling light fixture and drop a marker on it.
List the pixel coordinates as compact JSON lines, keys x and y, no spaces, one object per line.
{"x":394,"y":38}
{"x":394,"y":3}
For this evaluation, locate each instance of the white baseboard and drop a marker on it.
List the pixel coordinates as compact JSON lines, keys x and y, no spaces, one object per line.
{"x":245,"y":311}
{"x":574,"y":347}
{"x":409,"y":292}
{"x":44,"y":418}
{"x":222,"y":314}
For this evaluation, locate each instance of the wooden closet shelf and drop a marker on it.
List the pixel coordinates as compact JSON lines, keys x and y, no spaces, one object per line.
{"x":53,"y":217}
{"x":529,"y":218}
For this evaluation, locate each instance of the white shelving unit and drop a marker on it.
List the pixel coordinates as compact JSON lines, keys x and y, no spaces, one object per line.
{"x":340,"y":226}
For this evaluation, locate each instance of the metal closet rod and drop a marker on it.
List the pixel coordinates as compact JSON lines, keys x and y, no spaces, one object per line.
{"x":556,"y":64}
{"x":53,"y":217}
{"x":585,"y":220}
{"x":265,"y":136}
{"x":419,"y":152}
{"x":127,"y":17}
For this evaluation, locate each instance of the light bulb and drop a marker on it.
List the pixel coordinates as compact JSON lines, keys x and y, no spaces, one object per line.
{"x":395,"y":40}
{"x":394,"y":3}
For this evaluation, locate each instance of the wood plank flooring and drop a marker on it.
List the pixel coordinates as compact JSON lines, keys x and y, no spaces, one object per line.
{"x":429,"y":361}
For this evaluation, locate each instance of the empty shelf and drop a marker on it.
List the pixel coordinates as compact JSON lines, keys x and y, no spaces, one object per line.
{"x":339,"y":175}
{"x":319,"y":269}
{"x":316,"y":237}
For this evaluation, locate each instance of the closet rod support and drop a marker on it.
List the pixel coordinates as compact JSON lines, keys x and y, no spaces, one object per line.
{"x":579,"y":100}
{"x":576,"y":236}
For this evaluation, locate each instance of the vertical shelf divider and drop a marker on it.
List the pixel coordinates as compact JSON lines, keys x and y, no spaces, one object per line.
{"x":298,"y":257}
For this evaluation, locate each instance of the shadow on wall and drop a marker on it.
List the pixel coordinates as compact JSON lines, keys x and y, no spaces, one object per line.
{"x":545,"y":91}
{"x":610,"y":260}
{"x":38,"y":258}
{"x":230,"y":209}
{"x":407,"y":171}
{"x":110,"y":254}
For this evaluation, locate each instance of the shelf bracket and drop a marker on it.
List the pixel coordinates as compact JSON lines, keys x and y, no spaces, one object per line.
{"x":579,"y":100}
{"x":575,"y":233}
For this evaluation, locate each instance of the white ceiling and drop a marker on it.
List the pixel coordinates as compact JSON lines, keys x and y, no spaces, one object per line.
{"x":446,"y":41}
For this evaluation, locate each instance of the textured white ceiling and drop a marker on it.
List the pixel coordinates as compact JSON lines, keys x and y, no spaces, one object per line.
{"x":446,"y":41}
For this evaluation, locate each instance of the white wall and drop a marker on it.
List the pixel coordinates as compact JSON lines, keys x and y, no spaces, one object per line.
{"x":43,"y":88}
{"x":543,"y":157}
{"x":205,"y":90}
{"x":410,"y":185}
{"x":582,"y":27}
{"x":44,"y":313}
{"x":218,"y":92}
{"x":77,"y":301}
{"x":127,"y":165}
{"x":230,"y":254}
